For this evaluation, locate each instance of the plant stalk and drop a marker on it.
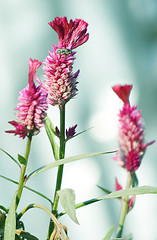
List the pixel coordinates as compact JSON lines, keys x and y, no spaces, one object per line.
{"x":23,"y":171}
{"x":124,"y":209}
{"x":60,"y":168}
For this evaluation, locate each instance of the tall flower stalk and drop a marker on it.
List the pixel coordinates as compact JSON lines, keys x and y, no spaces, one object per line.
{"x":30,"y":117}
{"x":60,"y":82}
{"x":131,"y":143}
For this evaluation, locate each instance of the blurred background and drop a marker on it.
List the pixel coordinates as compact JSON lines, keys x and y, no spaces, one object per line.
{"x":122,"y":48}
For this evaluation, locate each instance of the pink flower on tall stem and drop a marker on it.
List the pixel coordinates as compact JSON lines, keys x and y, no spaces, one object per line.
{"x":130,"y":132}
{"x":60,"y":82}
{"x":32,"y":106}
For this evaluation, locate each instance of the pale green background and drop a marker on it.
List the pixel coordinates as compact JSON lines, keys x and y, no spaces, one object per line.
{"x":122,"y":49}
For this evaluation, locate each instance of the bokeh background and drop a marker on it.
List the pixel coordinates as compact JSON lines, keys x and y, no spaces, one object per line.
{"x":122,"y":49}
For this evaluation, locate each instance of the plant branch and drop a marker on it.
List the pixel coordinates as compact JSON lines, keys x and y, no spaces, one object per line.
{"x":23,"y":170}
{"x":124,"y":209}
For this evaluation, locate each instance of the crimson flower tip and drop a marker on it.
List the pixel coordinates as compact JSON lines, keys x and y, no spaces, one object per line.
{"x":71,"y":34}
{"x":123,"y":92}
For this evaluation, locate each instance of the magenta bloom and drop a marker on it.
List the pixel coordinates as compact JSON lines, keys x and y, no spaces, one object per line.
{"x":130,"y":131}
{"x":32,"y":106}
{"x":60,"y":82}
{"x":72,"y":34}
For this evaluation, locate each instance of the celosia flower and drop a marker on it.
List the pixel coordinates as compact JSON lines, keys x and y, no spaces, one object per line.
{"x":60,"y":82}
{"x":32,"y":106}
{"x":130,"y":131}
{"x":72,"y":34}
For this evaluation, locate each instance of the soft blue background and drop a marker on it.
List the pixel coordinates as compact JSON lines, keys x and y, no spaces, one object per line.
{"x":122,"y":49}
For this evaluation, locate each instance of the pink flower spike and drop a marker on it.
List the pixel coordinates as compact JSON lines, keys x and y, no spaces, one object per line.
{"x":123,"y":92}
{"x":61,"y":82}
{"x":32,"y":106}
{"x":71,"y":35}
{"x":130,"y":133}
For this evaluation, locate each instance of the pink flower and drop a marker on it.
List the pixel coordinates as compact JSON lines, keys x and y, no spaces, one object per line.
{"x":32,"y":106}
{"x":60,"y":82}
{"x":72,"y":34}
{"x":130,"y":131}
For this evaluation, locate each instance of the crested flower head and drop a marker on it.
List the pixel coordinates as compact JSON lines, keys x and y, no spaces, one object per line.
{"x":32,"y":106}
{"x":72,"y":34}
{"x":130,"y":131}
{"x":60,"y":82}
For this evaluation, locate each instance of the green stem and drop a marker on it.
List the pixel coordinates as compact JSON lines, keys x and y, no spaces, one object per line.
{"x":124,"y":209}
{"x":23,"y":170}
{"x":60,"y":168}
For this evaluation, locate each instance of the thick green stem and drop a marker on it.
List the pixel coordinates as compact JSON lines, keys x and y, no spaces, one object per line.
{"x":60,"y":168}
{"x":124,"y":208}
{"x":23,"y":170}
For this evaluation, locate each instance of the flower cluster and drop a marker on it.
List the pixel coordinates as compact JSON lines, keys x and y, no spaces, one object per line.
{"x":131,"y":132}
{"x":32,"y":106}
{"x":60,"y":82}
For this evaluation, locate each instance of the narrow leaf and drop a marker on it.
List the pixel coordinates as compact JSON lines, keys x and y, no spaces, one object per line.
{"x":51,"y":135}
{"x":79,"y":133}
{"x":118,"y":194}
{"x":67,"y":199}
{"x":104,"y":190}
{"x":10,"y":223}
{"x":64,"y":161}
{"x":28,"y":188}
{"x":109,"y":234}
{"x":10,"y":157}
{"x":25,"y":235}
{"x":21,"y":159}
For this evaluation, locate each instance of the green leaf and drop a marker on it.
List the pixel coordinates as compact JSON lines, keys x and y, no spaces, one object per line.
{"x":51,"y":135}
{"x":21,"y":159}
{"x":109,"y":234}
{"x":10,"y":223}
{"x":67,"y":199}
{"x":64,"y":161}
{"x":28,"y":188}
{"x":132,"y":191}
{"x":25,"y":235}
{"x":118,"y":194}
{"x":10,"y":157}
{"x":104,"y":190}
